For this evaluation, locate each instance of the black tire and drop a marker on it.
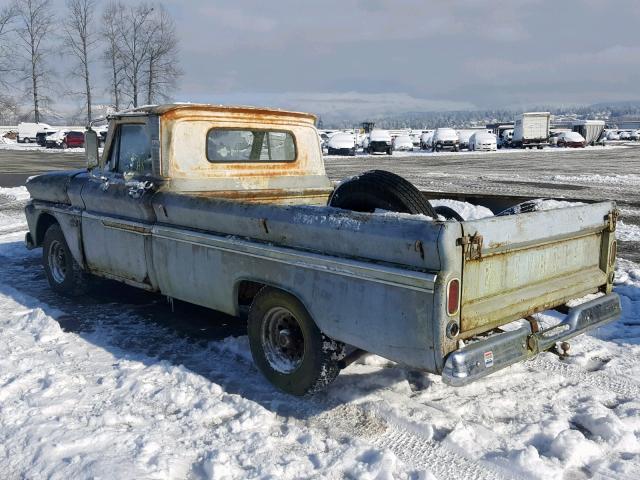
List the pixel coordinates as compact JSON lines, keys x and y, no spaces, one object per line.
{"x":353,"y":152}
{"x":309,"y":360}
{"x":527,"y":206}
{"x":63,"y":273}
{"x":448,"y":213}
{"x":389,"y":151}
{"x":436,"y":148}
{"x":378,"y":189}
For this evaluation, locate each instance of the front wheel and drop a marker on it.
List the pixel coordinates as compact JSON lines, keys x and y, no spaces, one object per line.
{"x":288,"y":347}
{"x":63,"y":273}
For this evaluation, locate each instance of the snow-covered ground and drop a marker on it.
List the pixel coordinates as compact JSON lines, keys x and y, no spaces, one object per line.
{"x":117,"y":394}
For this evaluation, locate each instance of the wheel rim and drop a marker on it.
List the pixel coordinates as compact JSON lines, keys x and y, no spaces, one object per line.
{"x":57,"y":261}
{"x":282,"y":340}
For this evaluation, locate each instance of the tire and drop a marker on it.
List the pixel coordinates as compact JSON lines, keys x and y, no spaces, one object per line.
{"x":527,"y":206}
{"x":26,"y":140}
{"x":329,"y":151}
{"x":63,"y":273}
{"x":436,"y":148}
{"x":448,"y":213}
{"x":389,"y":151}
{"x":302,"y":362}
{"x":353,"y":152}
{"x":378,"y":189}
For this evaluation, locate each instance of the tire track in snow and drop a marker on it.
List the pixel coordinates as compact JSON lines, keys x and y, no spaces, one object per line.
{"x":415,"y":450}
{"x":599,"y":379}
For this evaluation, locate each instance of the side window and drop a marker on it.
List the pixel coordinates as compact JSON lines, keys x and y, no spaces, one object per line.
{"x":131,"y":150}
{"x":231,"y":145}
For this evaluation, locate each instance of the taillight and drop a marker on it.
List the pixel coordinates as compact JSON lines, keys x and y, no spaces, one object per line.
{"x":453,"y":296}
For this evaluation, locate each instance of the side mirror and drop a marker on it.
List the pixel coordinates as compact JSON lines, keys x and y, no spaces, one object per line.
{"x":91,"y":148}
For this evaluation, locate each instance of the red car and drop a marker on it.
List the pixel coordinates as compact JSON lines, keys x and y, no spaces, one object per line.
{"x":73,"y":140}
{"x":571,"y":139}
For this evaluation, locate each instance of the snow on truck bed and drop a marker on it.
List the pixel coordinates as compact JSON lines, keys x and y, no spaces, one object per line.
{"x":124,"y":396}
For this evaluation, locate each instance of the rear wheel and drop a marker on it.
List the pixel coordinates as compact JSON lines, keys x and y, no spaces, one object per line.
{"x":288,"y":347}
{"x":378,"y":189}
{"x":63,"y":273}
{"x":27,"y":140}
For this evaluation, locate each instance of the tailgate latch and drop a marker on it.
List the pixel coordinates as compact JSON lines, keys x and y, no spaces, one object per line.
{"x":471,"y":246}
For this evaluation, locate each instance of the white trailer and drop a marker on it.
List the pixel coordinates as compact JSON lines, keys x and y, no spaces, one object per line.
{"x":531,"y":129}
{"x":591,"y":130}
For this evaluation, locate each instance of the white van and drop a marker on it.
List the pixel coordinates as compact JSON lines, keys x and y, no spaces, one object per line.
{"x":27,"y":131}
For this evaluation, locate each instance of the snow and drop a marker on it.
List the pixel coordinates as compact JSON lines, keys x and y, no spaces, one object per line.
{"x":127,"y":396}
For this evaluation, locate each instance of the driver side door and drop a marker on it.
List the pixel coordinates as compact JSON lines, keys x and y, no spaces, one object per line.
{"x":118,"y":216}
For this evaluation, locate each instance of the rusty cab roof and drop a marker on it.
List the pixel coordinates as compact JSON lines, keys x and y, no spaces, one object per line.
{"x":177,"y":108}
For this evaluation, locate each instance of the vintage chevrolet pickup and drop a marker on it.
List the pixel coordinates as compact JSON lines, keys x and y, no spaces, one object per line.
{"x":230,"y":208}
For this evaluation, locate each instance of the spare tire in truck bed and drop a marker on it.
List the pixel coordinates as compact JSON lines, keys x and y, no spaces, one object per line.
{"x":380,"y":190}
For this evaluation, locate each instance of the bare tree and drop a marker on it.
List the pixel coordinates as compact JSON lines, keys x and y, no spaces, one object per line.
{"x":80,"y":39}
{"x":7,"y":15}
{"x":135,"y":31}
{"x":35,"y":21}
{"x":112,"y":55}
{"x":162,"y":70}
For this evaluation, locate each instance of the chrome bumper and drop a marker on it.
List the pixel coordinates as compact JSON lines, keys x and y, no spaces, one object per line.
{"x":501,"y":350}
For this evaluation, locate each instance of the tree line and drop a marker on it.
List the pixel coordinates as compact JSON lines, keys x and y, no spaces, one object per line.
{"x":136,"y":46}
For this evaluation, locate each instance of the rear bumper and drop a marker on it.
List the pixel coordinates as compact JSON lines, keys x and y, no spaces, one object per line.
{"x":499,"y":351}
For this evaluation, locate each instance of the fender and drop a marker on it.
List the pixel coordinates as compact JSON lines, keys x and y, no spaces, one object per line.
{"x":41,"y":216}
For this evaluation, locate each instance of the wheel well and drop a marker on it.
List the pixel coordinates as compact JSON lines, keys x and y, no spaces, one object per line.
{"x":44,"y":222}
{"x":247,"y":290}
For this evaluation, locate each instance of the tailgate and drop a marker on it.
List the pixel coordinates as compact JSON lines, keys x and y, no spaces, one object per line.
{"x":517,"y":265}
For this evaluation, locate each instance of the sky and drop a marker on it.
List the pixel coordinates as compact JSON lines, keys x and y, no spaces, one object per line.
{"x":381,"y":56}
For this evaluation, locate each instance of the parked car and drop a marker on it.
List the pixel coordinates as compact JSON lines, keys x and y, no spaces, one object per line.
{"x":483,"y":141}
{"x":379,"y":141}
{"x":342,"y":144}
{"x":415,"y":139}
{"x":27,"y":132}
{"x":55,"y":140}
{"x":613,"y":135}
{"x":505,"y":138}
{"x":625,"y":135}
{"x":445,"y":139}
{"x":232,"y":210}
{"x":634,"y":135}
{"x":73,"y":139}
{"x":403,"y":143}
{"x":41,"y":137}
{"x":571,"y":139}
{"x":463,"y":138}
{"x":425,"y":140}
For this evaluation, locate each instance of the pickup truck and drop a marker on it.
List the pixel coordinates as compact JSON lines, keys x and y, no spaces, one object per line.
{"x":230,"y":208}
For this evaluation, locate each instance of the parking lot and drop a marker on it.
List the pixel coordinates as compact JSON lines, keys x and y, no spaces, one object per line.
{"x":595,"y":173}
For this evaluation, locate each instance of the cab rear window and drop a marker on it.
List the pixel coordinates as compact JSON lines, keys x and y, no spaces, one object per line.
{"x":246,"y":145}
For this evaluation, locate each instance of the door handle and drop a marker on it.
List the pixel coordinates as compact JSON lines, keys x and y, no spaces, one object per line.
{"x":138,"y":189}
